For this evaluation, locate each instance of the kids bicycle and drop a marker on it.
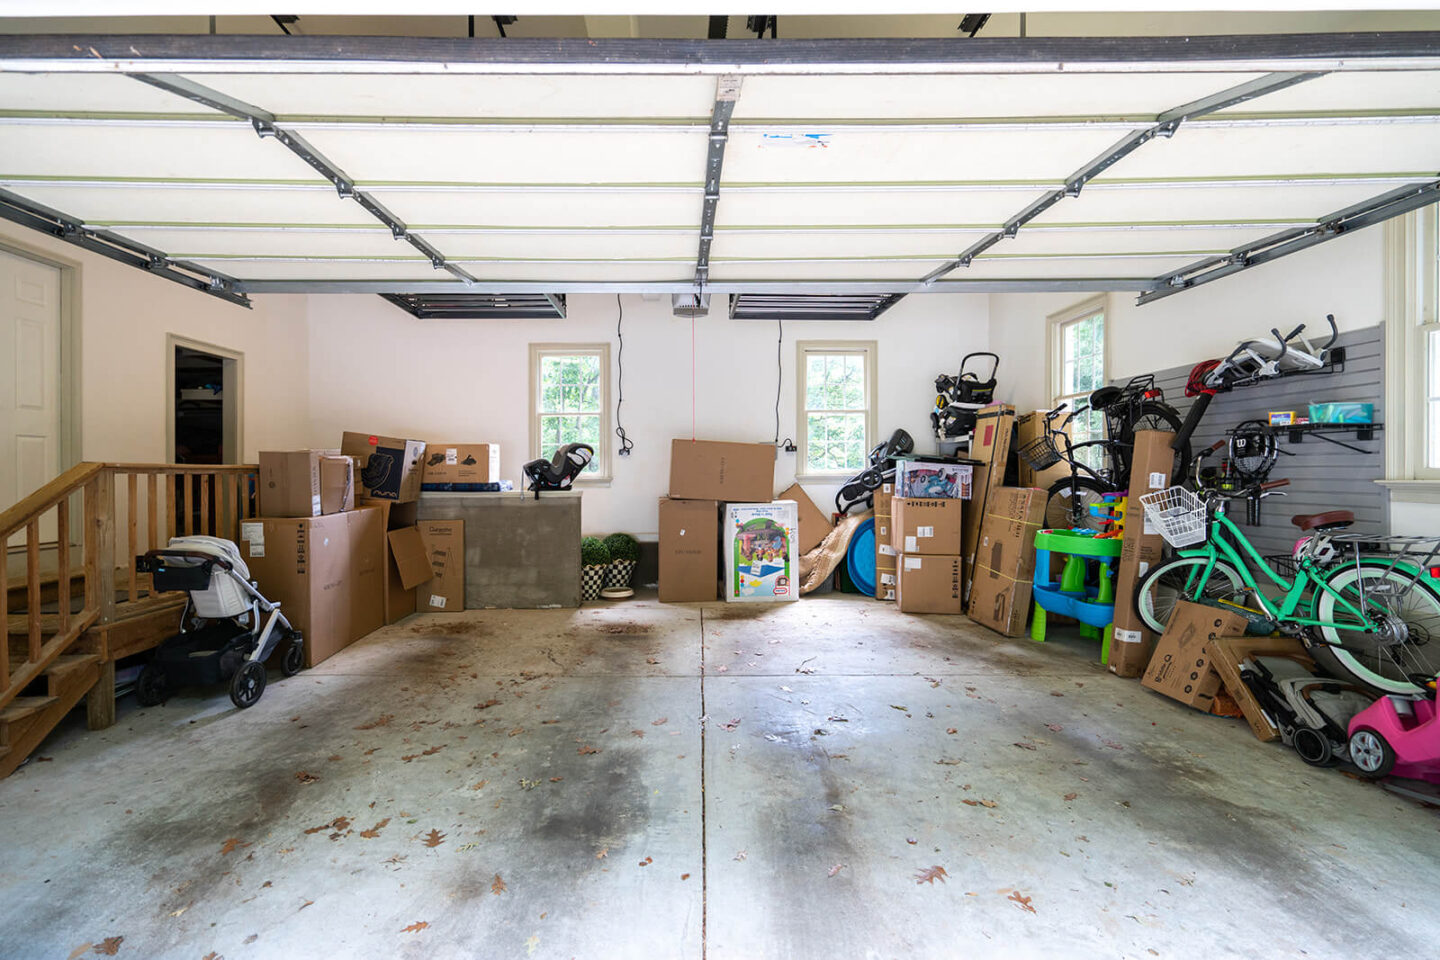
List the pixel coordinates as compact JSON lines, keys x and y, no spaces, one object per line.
{"x":1365,"y":605}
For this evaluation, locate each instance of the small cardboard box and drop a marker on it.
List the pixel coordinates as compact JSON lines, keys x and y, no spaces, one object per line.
{"x":1141,"y":549}
{"x":1005,"y":560}
{"x":289,"y":483}
{"x":389,"y":468}
{"x":927,"y":527}
{"x":929,"y":585}
{"x":814,"y":525}
{"x":1028,"y":428}
{"x":326,"y":572}
{"x":1231,"y":652}
{"x":689,"y":550}
{"x":759,"y":544}
{"x":337,"y":484}
{"x":1182,"y":666}
{"x":920,"y":478}
{"x":991,"y":448}
{"x":711,"y":470}
{"x":444,"y":542}
{"x":448,"y":464}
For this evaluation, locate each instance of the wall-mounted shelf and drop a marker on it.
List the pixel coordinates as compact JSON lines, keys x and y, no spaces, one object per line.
{"x":1321,"y":431}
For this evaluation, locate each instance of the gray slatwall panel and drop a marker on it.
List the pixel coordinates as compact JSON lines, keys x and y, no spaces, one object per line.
{"x":1322,"y":476}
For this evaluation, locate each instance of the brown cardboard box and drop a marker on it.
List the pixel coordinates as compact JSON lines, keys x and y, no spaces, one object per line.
{"x":1005,"y":560}
{"x":991,"y":447}
{"x":1029,"y":427}
{"x":388,"y":468}
{"x":814,"y":524}
{"x":929,"y":528}
{"x":885,"y":556}
{"x":1140,"y":550}
{"x":689,"y":550}
{"x":400,"y":598}
{"x":710,"y":470}
{"x":1182,"y":666}
{"x":289,"y":483}
{"x":337,"y":484}
{"x":1230,"y":652}
{"x":326,"y":572}
{"x":451,"y":463}
{"x":928,"y":585}
{"x":445,"y":549}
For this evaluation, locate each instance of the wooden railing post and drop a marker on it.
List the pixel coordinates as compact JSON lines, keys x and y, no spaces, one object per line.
{"x":105,"y":543}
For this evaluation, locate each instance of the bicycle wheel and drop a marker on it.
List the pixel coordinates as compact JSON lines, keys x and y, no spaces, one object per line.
{"x":1407,"y":643}
{"x":1169,"y":583}
{"x":1069,"y":504}
{"x":1154,"y":415}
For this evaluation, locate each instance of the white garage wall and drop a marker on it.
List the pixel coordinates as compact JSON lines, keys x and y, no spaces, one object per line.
{"x":124,"y":317}
{"x":377,"y":369}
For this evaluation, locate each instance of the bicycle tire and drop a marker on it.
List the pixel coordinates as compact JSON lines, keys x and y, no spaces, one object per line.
{"x":1060,"y":505}
{"x":1398,"y":660}
{"x":1154,"y":415}
{"x":1154,"y":608}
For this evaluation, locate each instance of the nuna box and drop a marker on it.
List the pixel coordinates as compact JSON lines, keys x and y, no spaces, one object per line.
{"x":759,"y":541}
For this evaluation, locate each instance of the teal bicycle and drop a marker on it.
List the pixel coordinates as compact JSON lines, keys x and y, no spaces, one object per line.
{"x":1366,"y":605}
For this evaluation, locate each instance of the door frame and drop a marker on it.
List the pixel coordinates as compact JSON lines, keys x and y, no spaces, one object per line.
{"x":232,"y":385}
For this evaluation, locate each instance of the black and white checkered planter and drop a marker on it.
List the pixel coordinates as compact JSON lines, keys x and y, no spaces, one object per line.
{"x":619,"y":572}
{"x":592,"y":580}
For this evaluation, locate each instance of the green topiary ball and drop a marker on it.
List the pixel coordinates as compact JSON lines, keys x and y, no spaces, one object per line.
{"x":622,"y":546}
{"x":593,"y":552}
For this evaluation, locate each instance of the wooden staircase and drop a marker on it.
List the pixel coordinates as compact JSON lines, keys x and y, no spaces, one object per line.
{"x":74,"y":604}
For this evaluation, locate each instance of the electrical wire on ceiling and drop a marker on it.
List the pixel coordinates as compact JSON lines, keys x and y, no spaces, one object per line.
{"x":625,"y":442}
{"x":779,"y":374}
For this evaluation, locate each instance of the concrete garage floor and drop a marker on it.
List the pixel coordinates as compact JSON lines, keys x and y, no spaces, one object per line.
{"x":529,"y":784}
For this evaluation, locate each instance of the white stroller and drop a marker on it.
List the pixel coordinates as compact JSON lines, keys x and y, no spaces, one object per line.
{"x":228,"y":628}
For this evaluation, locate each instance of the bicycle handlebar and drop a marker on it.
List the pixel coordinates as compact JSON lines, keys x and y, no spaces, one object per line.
{"x":1274,"y":485}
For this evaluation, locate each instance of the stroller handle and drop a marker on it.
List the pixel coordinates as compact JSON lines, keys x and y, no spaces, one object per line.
{"x":143,"y":563}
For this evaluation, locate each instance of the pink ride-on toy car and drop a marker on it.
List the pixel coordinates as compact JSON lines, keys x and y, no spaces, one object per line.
{"x":1397,"y":735}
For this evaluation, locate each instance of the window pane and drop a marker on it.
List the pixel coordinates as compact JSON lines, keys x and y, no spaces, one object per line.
{"x":1432,"y":439}
{"x":1432,"y":368}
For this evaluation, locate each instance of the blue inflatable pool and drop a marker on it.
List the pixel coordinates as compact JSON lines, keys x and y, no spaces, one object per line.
{"x":860,"y":558}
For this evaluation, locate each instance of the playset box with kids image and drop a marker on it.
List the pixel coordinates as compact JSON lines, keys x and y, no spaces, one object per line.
{"x":760,"y":562}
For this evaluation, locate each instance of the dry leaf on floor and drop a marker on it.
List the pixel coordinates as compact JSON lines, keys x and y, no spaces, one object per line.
{"x":586,"y":750}
{"x":684,"y":876}
{"x":497,"y":886}
{"x":1020,"y":901}
{"x":647,"y":861}
{"x":487,"y":704}
{"x":722,"y":669}
{"x":307,"y":903}
{"x":651,"y":660}
{"x":382,"y":721}
{"x":231,"y":845}
{"x":896,"y":706}
{"x":604,"y":852}
{"x":731,"y":725}
{"x":305,"y":777}
{"x":1056,"y":693}
{"x":930,"y":875}
{"x":556,"y":779}
{"x":1054,"y":727}
{"x":1070,"y":796}
{"x":251,"y":939}
{"x":434,"y":838}
{"x":911,"y":840}
{"x":835,"y":869}
{"x":415,"y":927}
{"x":479,"y":786}
{"x":212,"y":955}
{"x":334,"y":756}
{"x":659,"y":723}
{"x":951,"y":730}
{"x":79,"y":951}
{"x":109,"y":946}
{"x":1112,"y":744}
{"x":638,"y":733}
{"x":515,"y":732}
{"x":374,"y":831}
{"x":338,"y":824}
{"x":1026,"y":746}
{"x":980,"y":803}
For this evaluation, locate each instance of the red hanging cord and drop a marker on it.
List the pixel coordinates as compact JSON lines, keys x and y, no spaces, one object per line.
{"x":692,"y":379}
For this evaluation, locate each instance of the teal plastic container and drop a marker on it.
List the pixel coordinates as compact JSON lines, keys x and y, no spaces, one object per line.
{"x":1342,"y":413}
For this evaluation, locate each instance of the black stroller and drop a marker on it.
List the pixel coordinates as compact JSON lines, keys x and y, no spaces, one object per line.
{"x":227,"y":631}
{"x":860,"y":489}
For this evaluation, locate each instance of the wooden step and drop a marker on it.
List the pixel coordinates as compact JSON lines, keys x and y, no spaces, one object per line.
{"x":22,"y":707}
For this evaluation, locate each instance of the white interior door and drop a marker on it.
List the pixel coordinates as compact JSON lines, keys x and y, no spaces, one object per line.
{"x":29,"y":376}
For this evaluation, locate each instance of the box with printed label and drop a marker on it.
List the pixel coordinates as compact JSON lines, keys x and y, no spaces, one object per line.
{"x":444,"y":542}
{"x":689,"y":550}
{"x":289,"y":483}
{"x":885,"y":555}
{"x":926,"y":527}
{"x":923,"y":478}
{"x":994,"y":426}
{"x":454,"y":467}
{"x":1182,"y":666}
{"x":389,"y":468}
{"x":1005,"y":561}
{"x":337,"y":484}
{"x":1140,"y":549}
{"x":928,"y":585}
{"x":759,"y":545}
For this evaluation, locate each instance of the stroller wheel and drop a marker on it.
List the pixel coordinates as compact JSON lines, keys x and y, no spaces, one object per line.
{"x":1370,"y":752}
{"x":248,"y":684}
{"x":1313,"y":747}
{"x":294,"y":658}
{"x":151,"y":686}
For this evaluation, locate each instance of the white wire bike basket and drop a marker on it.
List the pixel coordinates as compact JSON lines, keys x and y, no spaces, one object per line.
{"x":1178,"y":514}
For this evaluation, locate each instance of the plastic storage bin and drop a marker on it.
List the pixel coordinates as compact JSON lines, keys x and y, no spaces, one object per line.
{"x":1342,"y":413}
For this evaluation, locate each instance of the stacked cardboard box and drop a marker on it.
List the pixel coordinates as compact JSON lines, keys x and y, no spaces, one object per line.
{"x":1028,"y":428}
{"x":460,"y":467}
{"x":1005,"y":559}
{"x":926,"y":535}
{"x":388,"y":468}
{"x":815,"y":526}
{"x":886,"y":556}
{"x":305,"y":483}
{"x":994,"y":426}
{"x":1141,"y":548}
{"x":444,"y":542}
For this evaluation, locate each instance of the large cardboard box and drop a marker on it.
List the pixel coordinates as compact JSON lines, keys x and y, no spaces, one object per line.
{"x":444,"y":542}
{"x":711,"y":470}
{"x":929,"y":585}
{"x":1141,"y":549}
{"x":1182,"y":666}
{"x":815,"y":526}
{"x":886,"y":557}
{"x":991,"y":448}
{"x":927,"y":527}
{"x":406,"y":566}
{"x":450,"y":464}
{"x":389,"y":468}
{"x":327,"y":573}
{"x":758,"y":540}
{"x":1028,"y":428}
{"x":1231,"y":652}
{"x":289,"y":483}
{"x":337,"y":484}
{"x":689,"y":550}
{"x":1005,"y":560}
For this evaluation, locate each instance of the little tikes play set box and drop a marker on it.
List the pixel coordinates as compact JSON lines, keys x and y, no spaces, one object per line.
{"x":759,"y":541}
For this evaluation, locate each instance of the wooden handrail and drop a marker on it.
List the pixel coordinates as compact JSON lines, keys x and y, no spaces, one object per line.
{"x":46,"y":497}
{"x":162,"y":468}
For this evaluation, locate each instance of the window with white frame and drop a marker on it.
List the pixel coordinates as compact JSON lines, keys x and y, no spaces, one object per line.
{"x":570,"y":401}
{"x":836,"y":406}
{"x":1078,"y":350}
{"x":1412,"y":334}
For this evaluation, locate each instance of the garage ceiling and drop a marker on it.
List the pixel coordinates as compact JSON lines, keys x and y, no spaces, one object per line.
{"x":864,"y":167}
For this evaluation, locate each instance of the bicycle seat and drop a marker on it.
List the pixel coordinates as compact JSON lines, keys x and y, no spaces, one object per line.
{"x":1329,"y":520}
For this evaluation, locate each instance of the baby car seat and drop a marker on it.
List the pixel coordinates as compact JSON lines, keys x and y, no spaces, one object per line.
{"x":559,"y":471}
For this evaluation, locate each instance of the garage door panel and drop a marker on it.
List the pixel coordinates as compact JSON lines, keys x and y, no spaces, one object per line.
{"x":590,"y":207}
{"x":1209,"y":204}
{"x":1063,"y":268}
{"x":416,"y":269}
{"x":198,"y":244}
{"x":126,"y":204}
{"x":834,"y":270}
{"x":677,"y":272}
{"x":1194,"y":242}
{"x":90,"y":93}
{"x":968,"y":207}
{"x":732,"y":244}
{"x":597,"y":244}
{"x":1352,"y":91}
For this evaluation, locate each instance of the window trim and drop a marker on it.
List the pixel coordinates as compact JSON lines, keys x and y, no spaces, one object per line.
{"x":602,"y":455}
{"x":869,"y":349}
{"x":1056,"y":324}
{"x":1412,"y":311}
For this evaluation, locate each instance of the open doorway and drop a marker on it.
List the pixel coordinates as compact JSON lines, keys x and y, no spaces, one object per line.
{"x":204,"y":403}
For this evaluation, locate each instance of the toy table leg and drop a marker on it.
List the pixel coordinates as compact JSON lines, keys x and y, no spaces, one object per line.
{"x":1105,"y":644}
{"x":1037,"y":626}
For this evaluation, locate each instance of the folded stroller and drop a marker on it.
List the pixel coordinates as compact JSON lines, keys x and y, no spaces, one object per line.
{"x":228,"y":629}
{"x":1312,"y":713}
